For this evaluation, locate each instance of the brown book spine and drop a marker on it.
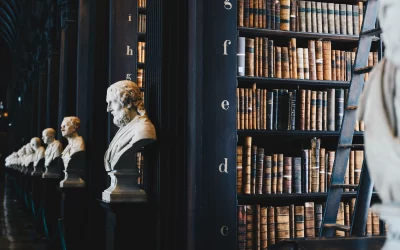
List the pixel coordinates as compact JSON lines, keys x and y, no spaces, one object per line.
{"x":247,"y":166}
{"x":285,"y":15}
{"x":239,"y":169}
{"x":313,"y":117}
{"x":325,"y":111}
{"x":241,"y":108}
{"x":294,"y":57}
{"x":253,"y":168}
{"x":319,"y":17}
{"x":238,"y":103}
{"x":264,"y":111}
{"x":271,"y":61}
{"x":246,"y":108}
{"x":331,"y":160}
{"x":282,"y":223}
{"x":340,"y":219}
{"x":311,"y":60}
{"x":250,"y":108}
{"x":249,"y":60}
{"x":285,"y":63}
{"x":327,"y":60}
{"x":306,"y":64}
{"x":260,"y":168}
{"x":261,"y":114}
{"x":265,"y":57}
{"x":315,"y":146}
{"x":347,"y":221}
{"x":333,"y":65}
{"x":260,"y":14}
{"x":299,"y":222}
{"x":263,"y":229}
{"x":343,"y":65}
{"x":279,"y":185}
{"x":318,"y":218}
{"x":274,"y":179}
{"x":319,"y":110}
{"x":242,"y":230}
{"x":287,"y":175}
{"x":258,"y":106}
{"x":300,"y":63}
{"x":249,"y":228}
{"x":302,"y":16}
{"x":375,"y":225}
{"x":369,"y":222}
{"x":319,"y":60}
{"x":338,"y":66}
{"x":359,"y":158}
{"x":254,"y":106}
{"x":256,"y":53}
{"x":257,"y":224}
{"x":271,"y":225}
{"x":240,"y":13}
{"x":278,"y":62}
{"x":251,"y":13}
{"x":351,"y":167}
{"x":293,"y":15}
{"x":267,"y":174}
{"x":273,"y":13}
{"x":360,"y":13}
{"x":291,"y":220}
{"x":322,"y":173}
{"x":302,"y":109}
{"x":308,"y":109}
{"x":308,"y":17}
{"x":246,"y":15}
{"x":277,"y":15}
{"x":309,"y":220}
{"x":260,"y":56}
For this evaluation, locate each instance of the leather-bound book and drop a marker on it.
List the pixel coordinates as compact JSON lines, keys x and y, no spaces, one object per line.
{"x":260,"y":56}
{"x":333,"y":65}
{"x":339,"y":108}
{"x":356,"y":20}
{"x":239,"y":169}
{"x":256,"y":53}
{"x":319,"y":60}
{"x":331,"y":160}
{"x":293,"y":47}
{"x":251,"y":15}
{"x":331,"y":18}
{"x":269,"y":14}
{"x":271,"y":59}
{"x":267,"y":174}
{"x":349,"y":20}
{"x":319,"y":18}
{"x":300,"y":63}
{"x":313,"y":117}
{"x":360,"y":13}
{"x":278,"y":62}
{"x":297,"y":181}
{"x":319,"y":111}
{"x":302,"y":109}
{"x":293,"y":100}
{"x":315,"y":148}
{"x":254,"y":106}
{"x":369,"y":222}
{"x":306,"y":64}
{"x":318,"y":218}
{"x":285,"y":15}
{"x":308,"y":17}
{"x":359,"y":158}
{"x":309,"y":220}
{"x":238,"y":104}
{"x":247,"y":165}
{"x":253,"y":168}
{"x":279,"y":185}
{"x":277,"y":15}
{"x":337,"y":18}
{"x":340,"y":219}
{"x":322,"y":173}
{"x":241,"y":108}
{"x":258,"y":104}
{"x":271,"y":225}
{"x":259,"y":170}
{"x":304,"y":171}
{"x":287,"y":175}
{"x":347,"y":221}
{"x":263,"y":229}
{"x":311,"y":60}
{"x":240,"y":13}
{"x":246,"y":108}
{"x":299,"y":222}
{"x":257,"y":224}
{"x":331,"y":110}
{"x":276,"y":108}
{"x":308,"y":109}
{"x":273,"y":13}
{"x":265,"y":57}
{"x":274,"y":179}
{"x":270,"y":110}
{"x":246,"y":14}
{"x":325,"y":25}
{"x":343,"y":19}
{"x":324,"y":110}
{"x":264,"y":109}
{"x":249,"y":227}
{"x":291,"y":221}
{"x":250,"y":108}
{"x":293,"y":15}
{"x":338,"y":66}
{"x":314,"y":17}
{"x":249,"y":59}
{"x":242,"y":223}
{"x":327,"y":60}
{"x":282,"y":223}
{"x":351,"y":167}
{"x":285,"y":63}
{"x":375,"y":224}
{"x":302,"y":16}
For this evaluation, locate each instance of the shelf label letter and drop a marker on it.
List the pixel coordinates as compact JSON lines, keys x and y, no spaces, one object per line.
{"x":130,"y":18}
{"x":225,"y":105}
{"x":224,"y":231}
{"x":223,"y":167}
{"x":227,"y":5}
{"x":129,"y":51}
{"x":226,"y":43}
{"x":128,"y":77}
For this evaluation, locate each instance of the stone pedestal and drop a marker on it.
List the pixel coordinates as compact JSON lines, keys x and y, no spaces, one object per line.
{"x":37,"y":201}
{"x":38,"y":170}
{"x":128,"y":225}
{"x":73,"y":171}
{"x":51,"y":210}
{"x":54,"y":169}
{"x":390,"y":213}
{"x":74,"y":206}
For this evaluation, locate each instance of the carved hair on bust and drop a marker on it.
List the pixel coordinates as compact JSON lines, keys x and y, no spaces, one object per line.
{"x":128,"y":92}
{"x":74,"y":121}
{"x":50,"y":133}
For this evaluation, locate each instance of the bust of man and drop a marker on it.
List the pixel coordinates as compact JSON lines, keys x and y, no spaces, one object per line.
{"x":54,"y":147}
{"x":125,"y":103}
{"x":69,"y":129}
{"x":29,"y":156}
{"x":21,"y":156}
{"x":39,"y":150}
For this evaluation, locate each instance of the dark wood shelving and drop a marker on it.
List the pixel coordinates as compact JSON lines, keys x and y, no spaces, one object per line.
{"x":294,"y":133}
{"x":141,"y":36}
{"x":297,"y":199}
{"x":244,"y":31}
{"x":292,"y":82}
{"x":142,"y":10}
{"x":140,"y":65}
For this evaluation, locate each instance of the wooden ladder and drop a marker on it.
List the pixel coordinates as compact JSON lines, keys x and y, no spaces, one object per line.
{"x":345,"y":145}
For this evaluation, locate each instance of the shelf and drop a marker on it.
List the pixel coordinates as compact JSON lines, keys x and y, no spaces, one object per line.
{"x":287,"y":199}
{"x":141,"y":36}
{"x":142,"y":10}
{"x":292,"y":82}
{"x":244,"y":31}
{"x":140,"y":65}
{"x":294,"y":133}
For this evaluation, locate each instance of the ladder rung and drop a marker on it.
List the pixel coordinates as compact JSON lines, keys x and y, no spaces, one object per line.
{"x":371,"y":32}
{"x":338,"y":227}
{"x":363,"y":70}
{"x":353,"y":146}
{"x":351,"y":186}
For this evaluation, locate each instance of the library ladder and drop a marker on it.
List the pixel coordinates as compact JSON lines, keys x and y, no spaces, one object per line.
{"x":345,"y":144}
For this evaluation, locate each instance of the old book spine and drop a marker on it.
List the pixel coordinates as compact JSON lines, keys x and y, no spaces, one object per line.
{"x":314,"y":17}
{"x":322,"y":173}
{"x":285,"y":118}
{"x":302,"y":109}
{"x":348,"y":66}
{"x":324,"y":110}
{"x":253,"y":168}
{"x":343,"y":18}
{"x":375,"y":224}
{"x":241,"y":56}
{"x":314,"y":166}
{"x":311,"y":60}
{"x":308,"y":110}
{"x":337,"y":18}
{"x":257,"y":224}
{"x":240,"y":13}
{"x":259,"y":170}
{"x":249,"y":60}
{"x":277,"y":15}
{"x":290,"y":60}
{"x":296,"y":163}
{"x":313,"y":118}
{"x":274,"y":179}
{"x":304,"y":169}
{"x":347,"y":221}
{"x":260,"y":14}
{"x":258,"y":106}
{"x":254,"y":104}
{"x":360,"y":13}
{"x":309,"y":220}
{"x":375,"y":58}
{"x":265,"y":57}
{"x":319,"y":110}
{"x":271,"y":225}
{"x":369,"y":222}
{"x":333,"y":65}
{"x":249,"y":227}
{"x":359,"y":158}
{"x":247,"y":165}
{"x":246,"y":15}
{"x":273,"y":13}
{"x":356,"y":19}
{"x":351,"y":167}
{"x":294,"y":57}
{"x":300,"y":63}
{"x":276,"y":109}
{"x":256,"y":53}
{"x":285,"y":15}
{"x":238,"y":105}
{"x":325,"y":25}
{"x":264,"y":110}
{"x":339,"y":108}
{"x":239,"y":169}
{"x":319,"y":17}
{"x":349,"y":19}
{"x":264,"y":14}
{"x":293,"y":15}
{"x":251,"y":15}
{"x":261,"y":113}
{"x":299,"y":221}
{"x":285,"y":63}
{"x":271,"y":60}
{"x":279,"y":185}
{"x":263,"y":229}
{"x":269,"y":14}
{"x":340,"y":219}
{"x":306,"y":64}
{"x":293,"y":100}
{"x":242,"y":222}
{"x":331,"y":159}
{"x":302,"y":16}
{"x":278,"y":62}
{"x":260,"y":56}
{"x":338,"y":66}
{"x":318,"y":218}
{"x":291,"y":220}
{"x":327,"y":60}
{"x":282,"y":223}
{"x":246,"y":108}
{"x":287,"y":175}
{"x":250,"y":108}
{"x":270,"y":110}
{"x":308,"y":17}
{"x":241,"y":108}
{"x":331,"y":18}
{"x":267,"y":174}
{"x":343,"y":65}
{"x":319,"y":60}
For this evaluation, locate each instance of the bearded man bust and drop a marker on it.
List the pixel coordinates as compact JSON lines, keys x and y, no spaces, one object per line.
{"x":125,"y":103}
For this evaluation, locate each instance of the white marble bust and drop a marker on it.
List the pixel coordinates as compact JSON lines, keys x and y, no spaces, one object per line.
{"x":69,"y":129}
{"x":29,"y":156}
{"x":125,"y":103}
{"x":39,"y":150}
{"x":54,"y":147}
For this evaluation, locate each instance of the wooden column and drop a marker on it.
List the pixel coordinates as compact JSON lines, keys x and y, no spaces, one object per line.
{"x":68,"y":56}
{"x":42,"y":89}
{"x":52,"y":107}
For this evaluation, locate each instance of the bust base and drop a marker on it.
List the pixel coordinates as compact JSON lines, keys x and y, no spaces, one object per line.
{"x":48,"y":175}
{"x":390,"y":213}
{"x":37,"y":173}
{"x":72,"y":179}
{"x":132,"y":196}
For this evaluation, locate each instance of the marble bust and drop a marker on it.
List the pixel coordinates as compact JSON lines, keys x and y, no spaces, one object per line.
{"x":52,"y":153}
{"x":20,"y":161}
{"x":125,"y":103}
{"x":29,"y":159}
{"x":75,"y":148}
{"x":38,"y":158}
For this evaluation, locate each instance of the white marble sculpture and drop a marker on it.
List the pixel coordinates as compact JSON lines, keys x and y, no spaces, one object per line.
{"x":379,"y":108}
{"x":69,"y":129}
{"x":36,"y":145}
{"x":53,"y":151}
{"x":20,"y":162}
{"x":125,"y":103}
{"x":29,"y":158}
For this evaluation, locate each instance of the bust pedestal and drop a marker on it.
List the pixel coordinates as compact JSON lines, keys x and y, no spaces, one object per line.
{"x":53,"y":170}
{"x":73,"y":171}
{"x":36,"y":177}
{"x":28,"y":181}
{"x":38,"y":169}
